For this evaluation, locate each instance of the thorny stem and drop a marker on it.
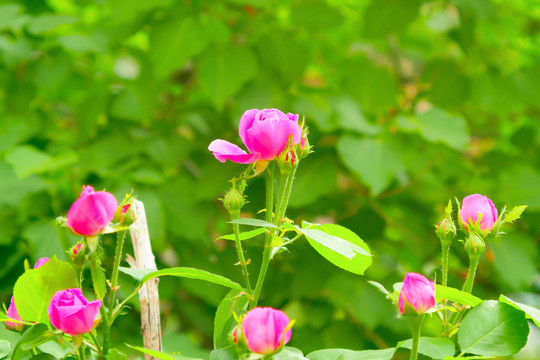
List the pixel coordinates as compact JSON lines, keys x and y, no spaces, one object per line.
{"x":241,"y":258}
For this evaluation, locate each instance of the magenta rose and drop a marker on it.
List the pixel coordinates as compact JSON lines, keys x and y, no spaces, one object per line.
{"x":13,"y":314}
{"x":265,"y":134}
{"x":418,"y":292}
{"x":476,"y":204}
{"x":70,"y":312}
{"x":91,"y":212}
{"x":264,"y":329}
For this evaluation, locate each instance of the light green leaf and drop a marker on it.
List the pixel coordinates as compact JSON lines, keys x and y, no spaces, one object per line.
{"x":99,"y":280}
{"x":27,"y":160}
{"x":530,"y":311}
{"x":350,"y":116}
{"x":174,"y":41}
{"x":342,"y":354}
{"x":371,"y":160}
{"x":290,"y":353}
{"x":44,"y":23}
{"x":243,"y":235}
{"x":31,"y":338}
{"x":340,"y":246}
{"x":519,"y":185}
{"x":233,"y":303}
{"x":35,"y":288}
{"x":253,"y":222}
{"x":224,"y":70}
{"x":143,"y":275}
{"x":224,"y":354}
{"x":514,"y":214}
{"x":436,"y":348}
{"x":5,"y":348}
{"x":494,"y":329}
{"x":455,"y":295}
{"x":308,"y":188}
{"x":153,"y":353}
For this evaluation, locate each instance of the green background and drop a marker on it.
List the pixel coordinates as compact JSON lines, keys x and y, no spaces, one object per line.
{"x":409,"y":103}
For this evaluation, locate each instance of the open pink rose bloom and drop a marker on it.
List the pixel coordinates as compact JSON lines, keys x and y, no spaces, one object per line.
{"x":478,"y":204}
{"x":264,"y":329}
{"x":265,"y":134}
{"x":91,"y":212}
{"x":417,"y":291}
{"x":70,"y":312}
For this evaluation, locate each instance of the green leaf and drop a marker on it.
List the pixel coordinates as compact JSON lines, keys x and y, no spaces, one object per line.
{"x":384,"y":17}
{"x":342,"y":354}
{"x":494,"y":329}
{"x":35,"y":288}
{"x":27,"y":160}
{"x":224,"y":70}
{"x":224,"y":354}
{"x":289,"y":353}
{"x":234,"y":302}
{"x":340,"y":246}
{"x":350,"y":116}
{"x":143,"y":275}
{"x":243,"y":235}
{"x":514,"y":214}
{"x":29,"y":339}
{"x":5,"y":348}
{"x":455,"y":295}
{"x":174,"y":41}
{"x":99,"y":281}
{"x":44,"y":23}
{"x":372,"y":161}
{"x":530,"y":311}
{"x":153,"y":353}
{"x":518,"y":185}
{"x":43,"y":357}
{"x":14,"y":190}
{"x":253,"y":222}
{"x":435,"y":125}
{"x":307,"y":188}
{"x":436,"y":348}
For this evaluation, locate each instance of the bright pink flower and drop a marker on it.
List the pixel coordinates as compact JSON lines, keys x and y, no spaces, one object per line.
{"x":40,"y":262}
{"x":478,"y":204}
{"x":70,"y":312}
{"x":263,"y":329}
{"x":13,"y":314}
{"x":418,"y":292}
{"x":92,"y":212}
{"x":265,"y":134}
{"x":76,"y":249}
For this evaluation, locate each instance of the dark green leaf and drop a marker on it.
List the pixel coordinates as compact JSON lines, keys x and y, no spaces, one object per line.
{"x":493,"y":329}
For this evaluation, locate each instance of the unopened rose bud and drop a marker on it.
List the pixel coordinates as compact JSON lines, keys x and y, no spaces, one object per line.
{"x":91,"y":212}
{"x":13,"y":314}
{"x":417,"y":295}
{"x":264,"y":330}
{"x":124,"y":214}
{"x":446,"y":231}
{"x":234,"y":201}
{"x":475,"y":245}
{"x":473,"y":206}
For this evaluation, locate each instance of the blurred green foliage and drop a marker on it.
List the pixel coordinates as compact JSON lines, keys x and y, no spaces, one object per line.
{"x":409,"y":104}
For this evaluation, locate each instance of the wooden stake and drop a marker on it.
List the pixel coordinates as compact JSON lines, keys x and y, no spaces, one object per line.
{"x":148,"y":295}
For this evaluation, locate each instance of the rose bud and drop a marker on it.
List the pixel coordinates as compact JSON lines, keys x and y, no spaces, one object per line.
{"x":40,"y":262}
{"x":70,"y":312}
{"x":476,"y":204}
{"x":265,"y":134}
{"x":264,"y":330}
{"x":13,"y":314}
{"x":92,"y":212}
{"x":417,"y":294}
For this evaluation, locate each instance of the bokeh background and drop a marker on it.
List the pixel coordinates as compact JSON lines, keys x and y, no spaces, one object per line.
{"x":409,"y":104}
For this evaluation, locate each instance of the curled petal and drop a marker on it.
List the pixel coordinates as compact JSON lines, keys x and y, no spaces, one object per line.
{"x":224,"y":150}
{"x":246,"y":121}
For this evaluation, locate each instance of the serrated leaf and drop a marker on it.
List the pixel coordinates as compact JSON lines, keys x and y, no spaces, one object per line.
{"x":435,"y":348}
{"x":340,"y":246}
{"x":99,"y":281}
{"x":530,"y":311}
{"x":246,"y":235}
{"x":35,"y":288}
{"x":31,"y":336}
{"x":143,"y":275}
{"x":493,"y":329}
{"x":514,"y":214}
{"x":455,"y":295}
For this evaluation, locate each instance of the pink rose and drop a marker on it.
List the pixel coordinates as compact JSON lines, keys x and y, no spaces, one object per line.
{"x":418,"y":292}
{"x":263,"y":329}
{"x":13,"y":314}
{"x":40,"y":262}
{"x":76,"y":250}
{"x":265,"y":134}
{"x":478,"y":204}
{"x":70,"y":312}
{"x":92,"y":212}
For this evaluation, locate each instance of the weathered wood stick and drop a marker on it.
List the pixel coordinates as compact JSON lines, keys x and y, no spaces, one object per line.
{"x":148,"y":295}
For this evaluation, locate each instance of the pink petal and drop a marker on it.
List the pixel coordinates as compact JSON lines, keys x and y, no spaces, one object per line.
{"x":270,"y":137}
{"x":224,"y":150}
{"x":245,"y":123}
